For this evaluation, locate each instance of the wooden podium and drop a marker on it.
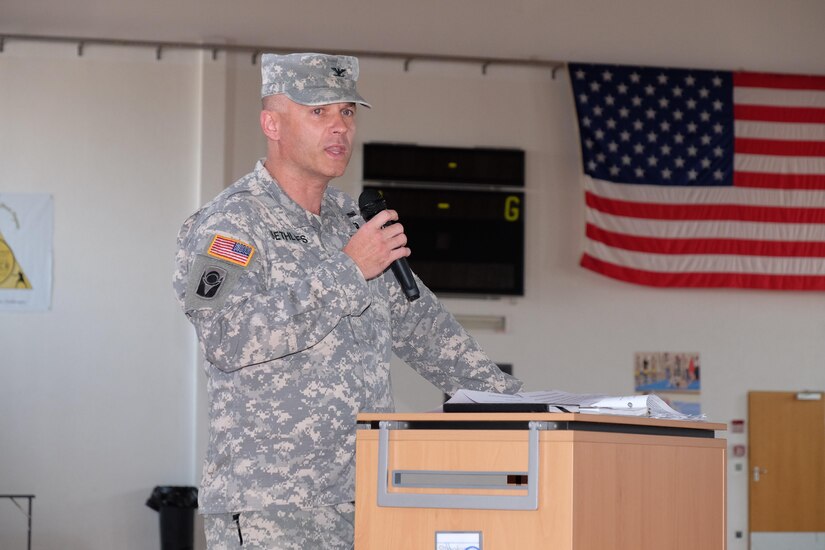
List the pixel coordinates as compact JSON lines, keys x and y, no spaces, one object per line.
{"x":560,"y":481}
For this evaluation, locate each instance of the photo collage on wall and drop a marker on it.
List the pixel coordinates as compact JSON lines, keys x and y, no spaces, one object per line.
{"x":675,"y":377}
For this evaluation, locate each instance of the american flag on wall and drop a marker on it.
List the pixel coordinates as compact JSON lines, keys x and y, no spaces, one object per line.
{"x":698,"y":178}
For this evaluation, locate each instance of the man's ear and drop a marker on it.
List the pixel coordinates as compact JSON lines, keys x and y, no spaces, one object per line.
{"x":270,"y":124}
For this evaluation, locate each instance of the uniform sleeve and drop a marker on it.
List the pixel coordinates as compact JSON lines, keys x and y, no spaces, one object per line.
{"x":270,"y":308}
{"x":430,"y":340}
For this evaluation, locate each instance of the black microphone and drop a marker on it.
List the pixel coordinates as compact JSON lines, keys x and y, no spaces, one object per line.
{"x":371,"y":203}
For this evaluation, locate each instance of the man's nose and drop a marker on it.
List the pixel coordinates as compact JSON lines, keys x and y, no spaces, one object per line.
{"x":340,"y":124}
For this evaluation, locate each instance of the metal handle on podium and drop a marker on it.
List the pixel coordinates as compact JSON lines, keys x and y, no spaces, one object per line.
{"x":528,"y":501}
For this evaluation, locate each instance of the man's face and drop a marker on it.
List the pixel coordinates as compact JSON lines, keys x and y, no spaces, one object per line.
{"x":316,"y":141}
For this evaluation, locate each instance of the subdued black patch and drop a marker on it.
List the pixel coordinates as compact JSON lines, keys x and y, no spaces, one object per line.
{"x":210,"y":283}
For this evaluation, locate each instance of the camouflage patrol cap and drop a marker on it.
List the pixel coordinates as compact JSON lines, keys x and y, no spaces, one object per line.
{"x":311,"y":78}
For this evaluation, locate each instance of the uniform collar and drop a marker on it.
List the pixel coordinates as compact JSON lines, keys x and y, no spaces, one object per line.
{"x":295,"y":212}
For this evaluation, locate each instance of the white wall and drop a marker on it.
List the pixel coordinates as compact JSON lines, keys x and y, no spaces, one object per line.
{"x":96,"y":395}
{"x":100,"y":398}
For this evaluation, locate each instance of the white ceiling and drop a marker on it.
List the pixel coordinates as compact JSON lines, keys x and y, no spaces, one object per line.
{"x":751,"y":34}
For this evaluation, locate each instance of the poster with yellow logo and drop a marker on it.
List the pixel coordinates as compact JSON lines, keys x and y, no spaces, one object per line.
{"x":26,"y":231}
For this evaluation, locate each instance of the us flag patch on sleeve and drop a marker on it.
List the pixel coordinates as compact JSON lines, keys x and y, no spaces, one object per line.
{"x":231,"y":250}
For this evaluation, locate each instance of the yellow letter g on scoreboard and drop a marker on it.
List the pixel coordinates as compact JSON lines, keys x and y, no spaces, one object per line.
{"x":511,"y":208}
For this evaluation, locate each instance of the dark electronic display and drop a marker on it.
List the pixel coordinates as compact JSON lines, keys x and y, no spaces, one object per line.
{"x":443,"y":165}
{"x":463,"y":241}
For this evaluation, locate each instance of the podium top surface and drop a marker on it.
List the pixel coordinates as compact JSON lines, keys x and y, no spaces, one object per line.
{"x":367,"y":417}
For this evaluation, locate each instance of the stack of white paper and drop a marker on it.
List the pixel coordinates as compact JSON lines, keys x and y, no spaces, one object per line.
{"x":631,"y":405}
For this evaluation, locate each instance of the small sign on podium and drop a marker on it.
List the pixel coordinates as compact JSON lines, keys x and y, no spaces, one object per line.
{"x":453,"y":540}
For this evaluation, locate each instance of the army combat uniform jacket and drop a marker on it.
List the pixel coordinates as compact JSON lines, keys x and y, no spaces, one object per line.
{"x":297,"y":342}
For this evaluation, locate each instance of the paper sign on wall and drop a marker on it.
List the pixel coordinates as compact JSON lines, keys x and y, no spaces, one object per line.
{"x":26,"y":232}
{"x":673,"y":376}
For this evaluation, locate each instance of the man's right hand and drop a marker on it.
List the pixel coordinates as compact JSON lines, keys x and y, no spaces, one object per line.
{"x":374,"y":247}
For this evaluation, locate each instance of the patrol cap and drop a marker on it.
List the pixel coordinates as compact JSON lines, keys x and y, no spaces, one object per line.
{"x":311,"y":78}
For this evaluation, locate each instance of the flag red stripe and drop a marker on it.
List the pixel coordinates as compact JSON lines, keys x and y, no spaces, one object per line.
{"x":785,"y":148}
{"x":737,"y":247}
{"x":703,"y":279}
{"x":227,"y":251}
{"x":226,"y":248}
{"x":778,"y":181}
{"x":778,"y":81}
{"x":778,"y":114}
{"x":731,"y":212}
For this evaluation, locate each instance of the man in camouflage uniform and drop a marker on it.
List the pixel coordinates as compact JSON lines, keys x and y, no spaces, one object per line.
{"x":297,"y":315}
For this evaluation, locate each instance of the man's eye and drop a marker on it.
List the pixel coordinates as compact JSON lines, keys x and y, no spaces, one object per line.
{"x":317,"y":111}
{"x":348,"y":112}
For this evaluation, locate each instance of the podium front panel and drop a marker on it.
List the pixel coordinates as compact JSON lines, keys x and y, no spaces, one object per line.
{"x":636,"y":484}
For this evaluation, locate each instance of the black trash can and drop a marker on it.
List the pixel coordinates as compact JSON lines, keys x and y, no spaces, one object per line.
{"x":176,"y":506}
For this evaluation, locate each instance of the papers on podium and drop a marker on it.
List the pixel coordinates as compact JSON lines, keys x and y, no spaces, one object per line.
{"x":557,"y":401}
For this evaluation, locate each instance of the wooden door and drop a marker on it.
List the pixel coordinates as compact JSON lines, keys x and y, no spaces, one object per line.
{"x":786,"y":435}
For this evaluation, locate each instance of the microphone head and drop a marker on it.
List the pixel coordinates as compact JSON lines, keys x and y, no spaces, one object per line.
{"x":371,"y":202}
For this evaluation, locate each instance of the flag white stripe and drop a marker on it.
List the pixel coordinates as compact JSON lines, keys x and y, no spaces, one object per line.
{"x":775,"y":164}
{"x":779,"y":130}
{"x":671,"y":194}
{"x":682,"y":229}
{"x":705,"y":263}
{"x":772,"y":97}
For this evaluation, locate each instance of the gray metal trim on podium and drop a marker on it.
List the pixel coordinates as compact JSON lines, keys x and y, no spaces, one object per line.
{"x":528,"y":501}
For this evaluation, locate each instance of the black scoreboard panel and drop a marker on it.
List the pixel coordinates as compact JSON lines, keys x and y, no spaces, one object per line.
{"x":443,"y":165}
{"x":463,"y":241}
